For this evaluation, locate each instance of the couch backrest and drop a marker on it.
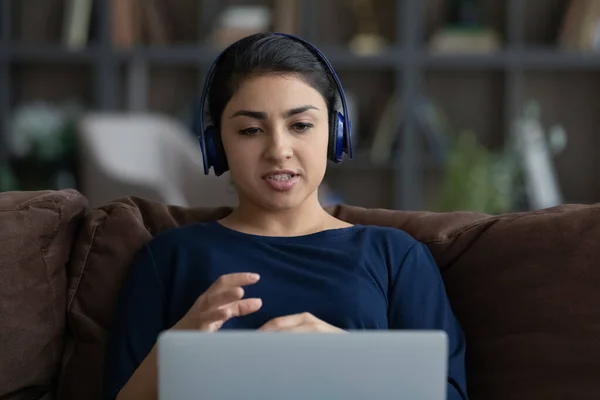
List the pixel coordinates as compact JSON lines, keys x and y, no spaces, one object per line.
{"x":36,"y":233}
{"x":526,"y":290}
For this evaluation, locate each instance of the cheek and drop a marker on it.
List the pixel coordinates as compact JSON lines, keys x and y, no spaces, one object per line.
{"x":323,"y":144}
{"x":244,"y":163}
{"x":316,"y":152}
{"x":235,"y":151}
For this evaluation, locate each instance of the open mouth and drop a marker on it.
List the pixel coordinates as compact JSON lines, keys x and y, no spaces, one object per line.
{"x":281,"y":181}
{"x":281,"y":177}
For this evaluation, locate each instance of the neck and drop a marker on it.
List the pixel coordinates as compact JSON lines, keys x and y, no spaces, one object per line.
{"x":308,"y":217}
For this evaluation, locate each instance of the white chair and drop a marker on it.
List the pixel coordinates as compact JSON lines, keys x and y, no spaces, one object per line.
{"x":149,"y":156}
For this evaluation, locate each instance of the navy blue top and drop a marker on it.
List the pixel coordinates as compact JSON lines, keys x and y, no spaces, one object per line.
{"x":361,"y":277}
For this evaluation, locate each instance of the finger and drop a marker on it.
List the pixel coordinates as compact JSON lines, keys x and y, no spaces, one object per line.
{"x":235,"y":279}
{"x":311,"y":327}
{"x":285,"y":322}
{"x":224,"y":282}
{"x":298,"y":328}
{"x":223,"y":297}
{"x":215,"y":318}
{"x":244,"y":307}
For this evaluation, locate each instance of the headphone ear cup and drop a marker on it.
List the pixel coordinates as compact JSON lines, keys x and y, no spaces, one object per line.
{"x":336,"y":137}
{"x":214,"y":153}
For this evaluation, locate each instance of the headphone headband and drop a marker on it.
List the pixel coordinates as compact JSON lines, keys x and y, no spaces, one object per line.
{"x":347,"y":145}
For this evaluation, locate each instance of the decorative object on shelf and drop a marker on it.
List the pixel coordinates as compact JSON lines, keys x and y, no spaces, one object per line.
{"x":431,"y":126}
{"x":580,"y":29}
{"x":126,"y":23}
{"x":536,"y":150}
{"x":478,"y":179}
{"x":520,"y":177}
{"x":475,"y":178}
{"x":367,"y":41}
{"x":237,"y":22}
{"x":465,"y":31}
{"x":42,"y":146}
{"x":387,"y":131}
{"x":76,"y":23}
{"x":286,"y":16}
{"x":157,"y":25}
{"x":137,"y":22}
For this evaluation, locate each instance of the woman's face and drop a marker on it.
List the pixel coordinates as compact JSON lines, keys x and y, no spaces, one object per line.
{"x":275,"y":134}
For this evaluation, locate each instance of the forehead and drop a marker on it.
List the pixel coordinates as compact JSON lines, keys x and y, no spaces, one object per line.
{"x":275,"y":91}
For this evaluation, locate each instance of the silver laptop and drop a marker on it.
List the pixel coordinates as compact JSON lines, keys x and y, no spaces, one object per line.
{"x":374,"y":365}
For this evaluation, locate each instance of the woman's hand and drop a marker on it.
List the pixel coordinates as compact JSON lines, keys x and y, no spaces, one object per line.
{"x":220,"y":302}
{"x":304,"y":322}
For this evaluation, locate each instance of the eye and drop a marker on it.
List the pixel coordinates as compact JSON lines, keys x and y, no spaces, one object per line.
{"x":302,"y":126}
{"x":250,"y":131}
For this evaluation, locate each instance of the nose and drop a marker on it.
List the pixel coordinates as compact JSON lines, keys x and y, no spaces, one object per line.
{"x":279,"y":145}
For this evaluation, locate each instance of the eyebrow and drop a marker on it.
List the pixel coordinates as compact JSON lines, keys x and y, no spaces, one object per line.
{"x":263,"y":115}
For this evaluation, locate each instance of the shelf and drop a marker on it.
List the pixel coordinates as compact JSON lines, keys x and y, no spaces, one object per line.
{"x":50,"y":53}
{"x":556,"y":59}
{"x":200,"y":55}
{"x":340,"y":57}
{"x":465,"y":61}
{"x":532,"y":58}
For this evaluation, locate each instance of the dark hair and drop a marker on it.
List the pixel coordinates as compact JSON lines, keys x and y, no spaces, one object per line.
{"x":265,"y":53}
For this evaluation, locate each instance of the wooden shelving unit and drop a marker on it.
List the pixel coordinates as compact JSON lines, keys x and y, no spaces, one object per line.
{"x":479,"y":92}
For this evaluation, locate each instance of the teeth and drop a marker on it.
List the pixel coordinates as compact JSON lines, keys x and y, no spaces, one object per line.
{"x":281,"y":177}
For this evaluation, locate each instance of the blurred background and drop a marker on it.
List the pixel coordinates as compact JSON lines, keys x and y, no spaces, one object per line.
{"x":478,"y":105}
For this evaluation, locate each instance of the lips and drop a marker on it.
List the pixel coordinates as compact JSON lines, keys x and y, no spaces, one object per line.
{"x":281,"y":180}
{"x":280,"y":175}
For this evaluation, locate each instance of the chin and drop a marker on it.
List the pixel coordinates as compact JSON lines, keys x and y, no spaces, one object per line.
{"x":280,"y":204}
{"x":266,"y":197}
{"x":278,"y":201}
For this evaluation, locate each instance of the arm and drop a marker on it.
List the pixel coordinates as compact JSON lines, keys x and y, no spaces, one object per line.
{"x":130,"y":365}
{"x":140,"y":316}
{"x":143,"y":382}
{"x":418,"y":300}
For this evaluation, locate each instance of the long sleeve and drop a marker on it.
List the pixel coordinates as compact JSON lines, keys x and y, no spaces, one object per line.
{"x":138,"y":319}
{"x":418,"y":300}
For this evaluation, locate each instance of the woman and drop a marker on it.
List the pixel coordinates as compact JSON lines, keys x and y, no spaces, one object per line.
{"x":279,"y":261}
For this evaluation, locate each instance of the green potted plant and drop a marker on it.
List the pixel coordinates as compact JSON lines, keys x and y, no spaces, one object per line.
{"x":42,"y":146}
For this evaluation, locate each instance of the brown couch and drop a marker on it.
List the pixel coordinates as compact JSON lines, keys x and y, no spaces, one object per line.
{"x":525,"y":287}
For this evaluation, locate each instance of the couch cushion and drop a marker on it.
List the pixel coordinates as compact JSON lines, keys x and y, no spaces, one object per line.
{"x":37,"y":229}
{"x":108,"y":241}
{"x":523,"y":286}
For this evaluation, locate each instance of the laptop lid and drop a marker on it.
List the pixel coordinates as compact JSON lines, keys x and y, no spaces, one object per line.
{"x":374,"y":365}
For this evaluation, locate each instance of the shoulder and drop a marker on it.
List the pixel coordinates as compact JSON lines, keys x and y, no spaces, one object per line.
{"x":172,"y":249}
{"x":169,"y":243}
{"x":382,"y":245}
{"x":404,"y":252}
{"x":392,"y":238}
{"x":181,"y":235}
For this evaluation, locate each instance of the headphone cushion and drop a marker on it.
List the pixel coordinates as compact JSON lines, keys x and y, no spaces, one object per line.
{"x":336,"y":137}
{"x":215,"y":154}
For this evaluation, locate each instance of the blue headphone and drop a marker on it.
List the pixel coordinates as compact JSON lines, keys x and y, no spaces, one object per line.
{"x":340,"y":141}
